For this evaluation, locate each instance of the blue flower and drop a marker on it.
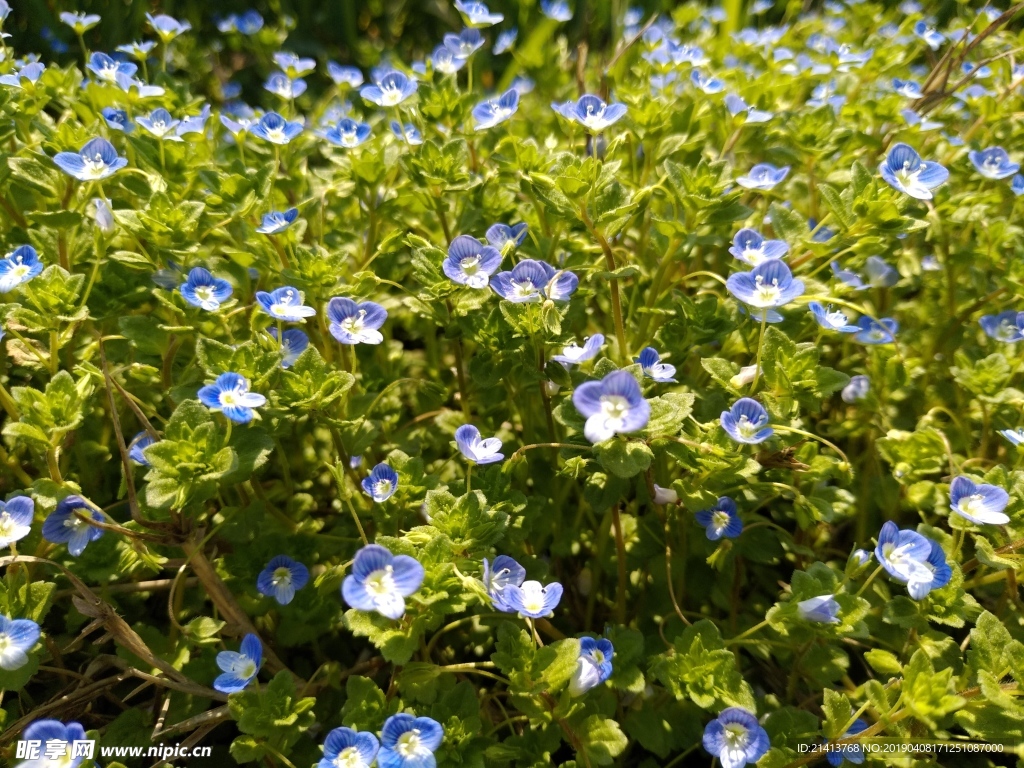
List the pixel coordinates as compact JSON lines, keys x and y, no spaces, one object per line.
{"x":140,"y":49}
{"x":904,"y":170}
{"x":721,"y":520}
{"x":492,"y":112}
{"x":573,"y":354}
{"x":614,"y":405}
{"x":505,"y":41}
{"x":18,"y":267}
{"x":1015,"y":436}
{"x":108,"y":68}
{"x":480,"y":451}
{"x":408,"y":133}
{"x":939,"y":573}
{"x":653,"y":368}
{"x":747,"y":422}
{"x":342,"y":75}
{"x":380,"y":581}
{"x":293,"y":343}
{"x":851,"y":751}
{"x":275,"y":129}
{"x":556,"y":9}
{"x":285,"y":304}
{"x":993,"y":163}
{"x":353,"y":323}
{"x":881,"y":331}
{"x":63,"y":526}
{"x":390,"y":91}
{"x":532,"y":281}
{"x":931,"y":36}
{"x":737,"y":106}
{"x":748,"y":245}
{"x":15,"y":519}
{"x":230,"y":395}
{"x":907,"y":88}
{"x":117,"y":119}
{"x":464,"y":44}
{"x":477,"y":14}
{"x":80,"y":22}
{"x":593,"y":666}
{"x":381,"y":484}
{"x":770,"y":284}
{"x":591,"y":112}
{"x":138,"y":446}
{"x":203,"y":290}
{"x":880,"y":273}
{"x":248,"y":23}
{"x":470,"y":262}
{"x":284,"y":87}
{"x":533,"y":600}
{"x":915,"y":120}
{"x":30,"y":73}
{"x":293,"y":65}
{"x":142,"y":90}
{"x":167,"y":27}
{"x":281,"y":579}
{"x":498,"y":576}
{"x":277,"y":221}
{"x":347,"y":133}
{"x":857,"y":389}
{"x":981,"y":503}
{"x":1007,"y":326}
{"x":736,"y":738}
{"x":61,"y":736}
{"x":97,"y":159}
{"x":822,"y":609}
{"x":763,"y":176}
{"x":160,"y":124}
{"x":239,"y":668}
{"x":347,"y":748}
{"x":506,"y":238}
{"x":832,"y":320}
{"x":707,"y":83}
{"x":904,"y":554}
{"x":17,"y":637}
{"x":409,"y":742}
{"x":1017,"y":185}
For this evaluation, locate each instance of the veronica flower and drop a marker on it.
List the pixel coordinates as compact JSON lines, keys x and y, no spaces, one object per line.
{"x":532,"y":599}
{"x":706,"y":83}
{"x":281,"y":579}
{"x":166,"y":27}
{"x":277,"y":221}
{"x":239,"y":668}
{"x":532,"y":281}
{"x":492,"y":112}
{"x":737,"y":106}
{"x":446,"y":62}
{"x":736,"y":738}
{"x":852,"y":751}
{"x":939,"y":573}
{"x":904,"y":170}
{"x":831,"y":320}
{"x":97,"y":159}
{"x":769,"y":284}
{"x":230,"y":395}
{"x":409,"y":742}
{"x":80,"y":22}
{"x":63,"y":526}
{"x":17,"y":637}
{"x":275,"y":129}
{"x":248,"y":23}
{"x":477,"y":14}
{"x":408,"y":133}
{"x":18,"y":267}
{"x":61,"y":737}
{"x":993,"y":163}
{"x":347,"y":133}
{"x":748,"y":245}
{"x":556,"y":9}
{"x":470,"y":262}
{"x":293,"y":65}
{"x":284,"y":87}
{"x":138,"y":446}
{"x":593,"y":666}
{"x":117,"y":119}
{"x":747,"y":422}
{"x":1015,"y":436}
{"x":505,"y":41}
{"x":498,"y":576}
{"x":285,"y":304}
{"x":614,"y":405}
{"x":981,"y":503}
{"x":390,"y":91}
{"x":464,"y":44}
{"x":882,"y":331}
{"x":653,"y":368}
{"x":142,"y":90}
{"x":903,"y":554}
{"x":591,"y":112}
{"x":1017,"y":185}
{"x":160,"y":124}
{"x":931,"y":37}
{"x":346,"y":748}
{"x":203,"y":290}
{"x":763,"y":176}
{"x":722,"y":520}
{"x":506,"y":238}
{"x":15,"y":519}
{"x":107,"y":68}
{"x":857,"y":389}
{"x":353,"y":323}
{"x":573,"y":354}
{"x":381,"y":484}
{"x":139,"y":49}
{"x":380,"y":581}
{"x":1006,"y":326}
{"x":907,"y":88}
{"x":342,"y":75}
{"x":292,"y":344}
{"x":29,"y":73}
{"x":480,"y":451}
{"x":822,"y":609}
{"x":238,"y":128}
{"x":915,"y":120}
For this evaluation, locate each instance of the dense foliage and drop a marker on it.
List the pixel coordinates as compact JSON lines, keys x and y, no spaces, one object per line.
{"x":657,"y":405}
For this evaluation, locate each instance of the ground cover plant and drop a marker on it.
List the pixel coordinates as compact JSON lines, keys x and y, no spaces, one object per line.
{"x":517,"y":401}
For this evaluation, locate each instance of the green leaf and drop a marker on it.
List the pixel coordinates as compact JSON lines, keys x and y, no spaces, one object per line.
{"x":622,"y":457}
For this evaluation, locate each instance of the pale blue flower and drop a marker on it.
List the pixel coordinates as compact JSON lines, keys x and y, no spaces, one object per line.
{"x":882,"y":331}
{"x":737,"y":106}
{"x":239,"y":669}
{"x":914,"y":120}
{"x":17,"y":638}
{"x":277,"y":221}
{"x":117,"y":119}
{"x":653,"y":368}
{"x":981,"y":503}
{"x":1017,"y":185}
{"x":80,"y":22}
{"x":293,"y":343}
{"x":380,"y":581}
{"x":470,"y":262}
{"x":904,"y":170}
{"x":748,"y":245}
{"x":1015,"y":436}
{"x":381,"y":484}
{"x":706,"y":83}
{"x":763,"y":176}
{"x":533,"y":600}
{"x":201,"y":289}
{"x":159,"y":124}
{"x":747,"y":422}
{"x":505,"y":41}
{"x":498,"y":576}
{"x":821,"y":610}
{"x":492,"y":112}
{"x":30,"y":74}
{"x":993,"y":163}
{"x":558,"y":10}
{"x":593,"y":666}
{"x":137,"y":447}
{"x":285,"y":304}
{"x":477,"y":14}
{"x":64,"y":526}
{"x":736,"y":738}
{"x":907,"y":88}
{"x":343,"y":75}
{"x":903,"y":554}
{"x":408,"y":133}
{"x":931,"y":36}
{"x":107,"y":68}
{"x":851,"y":751}
{"x":591,"y":112}
{"x":97,"y":159}
{"x":721,"y":520}
{"x":15,"y":519}
{"x":166,"y":27}
{"x":285,"y":87}
{"x":282,"y":578}
{"x":612,"y":406}
{"x":446,"y":62}
{"x":294,"y":66}
{"x":1007,"y":326}
{"x":275,"y":129}
{"x":506,"y":238}
{"x":18,"y":267}
{"x":770,"y":284}
{"x":533,"y":281}
{"x":409,"y":742}
{"x":346,"y":748}
{"x":464,"y":44}
{"x":352,"y":323}
{"x":831,"y":320}
{"x":573,"y":354}
{"x":230,"y":395}
{"x":477,"y":450}
{"x":857,"y":389}
{"x":390,"y":90}
{"x":346,"y":133}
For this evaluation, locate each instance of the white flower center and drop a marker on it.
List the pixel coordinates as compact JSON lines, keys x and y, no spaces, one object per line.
{"x":391,"y":95}
{"x":282,"y":577}
{"x":470,"y":265}
{"x":205,"y":293}
{"x":766,"y":294}
{"x":381,"y":582}
{"x":719,"y":519}
{"x":835,"y":319}
{"x":972,"y":505}
{"x":746,"y":427}
{"x":382,"y":487}
{"x":7,"y":525}
{"x":410,"y":745}
{"x":524,"y":290}
{"x":735,"y":736}
{"x":354,"y":324}
{"x":614,"y":406}
{"x":349,"y":758}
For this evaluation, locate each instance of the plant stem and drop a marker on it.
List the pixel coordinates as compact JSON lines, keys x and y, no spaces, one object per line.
{"x":760,"y":346}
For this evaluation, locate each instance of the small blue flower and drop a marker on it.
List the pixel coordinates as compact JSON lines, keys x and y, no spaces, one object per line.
{"x":915,"y":120}
{"x":15,"y":519}
{"x":470,"y":262}
{"x":480,"y":451}
{"x":748,"y":245}
{"x":381,"y":484}
{"x":822,"y":609}
{"x":763,"y":176}
{"x":770,"y":284}
{"x":1015,"y":436}
{"x":353,"y":323}
{"x":275,"y":129}
{"x":117,"y":119}
{"x":107,"y":68}
{"x":28,"y":74}
{"x":1006,"y":326}
{"x":282,"y":86}
{"x":737,"y":106}
{"x":294,"y":66}
{"x":851,"y":751}
{"x":532,"y":281}
{"x":653,"y":368}
{"x":17,"y":637}
{"x":238,"y":128}
{"x":282,"y":578}
{"x":904,"y":170}
{"x":166,"y":27}
{"x":230,"y":395}
{"x":722,"y":520}
{"x":141,"y":89}
{"x":293,"y":343}
{"x":880,"y":273}
{"x":347,"y":748}
{"x":380,"y":581}
{"x":60,"y":735}
{"x":64,"y":526}
{"x":160,"y":124}
{"x":904,"y":554}
{"x":492,"y":112}
{"x":939,"y":573}
{"x":80,"y":22}
{"x":831,"y":320}
{"x":857,"y":389}
{"x":736,"y":738}
{"x":505,"y":41}
{"x":97,"y":159}
{"x":591,"y":112}
{"x":615,"y":405}
{"x":593,"y":666}
{"x":390,"y":91}
{"x":980,"y":503}
{"x":138,"y":446}
{"x":347,"y":133}
{"x":239,"y":669}
{"x":573,"y":354}
{"x":342,"y":75}
{"x":277,"y":221}
{"x":558,"y":10}
{"x":907,"y":88}
{"x":408,"y":133}
{"x":409,"y":742}
{"x":533,"y":600}
{"x":203,"y":290}
{"x":506,"y":238}
{"x":18,"y":267}
{"x":993,"y":163}
{"x":747,"y":422}
{"x":248,"y":23}
{"x":464,"y":44}
{"x":706,"y":83}
{"x":477,"y":14}
{"x":285,"y":304}
{"x":882,"y":331}
{"x":498,"y":576}
{"x":139,"y":49}
{"x":931,"y":36}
